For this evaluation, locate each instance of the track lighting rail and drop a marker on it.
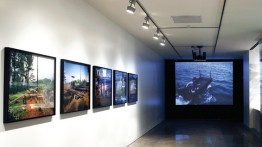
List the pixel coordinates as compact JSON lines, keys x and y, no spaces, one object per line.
{"x":164,"y":38}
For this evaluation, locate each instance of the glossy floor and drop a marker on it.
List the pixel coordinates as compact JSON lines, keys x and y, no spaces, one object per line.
{"x":199,"y":133}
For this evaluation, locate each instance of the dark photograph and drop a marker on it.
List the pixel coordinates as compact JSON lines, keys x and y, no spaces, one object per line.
{"x":132,"y":87}
{"x":102,"y":95}
{"x":120,"y":87}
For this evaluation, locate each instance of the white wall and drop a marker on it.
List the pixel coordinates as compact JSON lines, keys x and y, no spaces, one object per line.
{"x":71,"y":29}
{"x":252,"y":89}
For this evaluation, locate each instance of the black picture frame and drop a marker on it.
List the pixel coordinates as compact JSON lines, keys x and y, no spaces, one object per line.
{"x":75,"y":86}
{"x":102,"y":87}
{"x":132,"y":87}
{"x":120,"y":87}
{"x":29,"y":85}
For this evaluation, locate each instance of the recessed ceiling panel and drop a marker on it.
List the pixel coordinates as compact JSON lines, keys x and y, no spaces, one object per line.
{"x":162,"y":10}
{"x":187,"y":19}
{"x":190,"y":36}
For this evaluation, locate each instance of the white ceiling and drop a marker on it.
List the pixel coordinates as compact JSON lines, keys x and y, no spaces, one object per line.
{"x":241,"y":25}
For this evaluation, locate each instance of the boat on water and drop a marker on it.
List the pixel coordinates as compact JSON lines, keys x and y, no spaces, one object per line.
{"x":196,"y":87}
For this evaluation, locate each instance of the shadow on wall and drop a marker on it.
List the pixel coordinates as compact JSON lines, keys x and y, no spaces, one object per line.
{"x":119,"y":106}
{"x":261,"y":119}
{"x":2,"y":128}
{"x":132,"y":103}
{"x":95,"y":110}
{"x":73,"y":114}
{"x":256,"y":116}
{"x":27,"y":123}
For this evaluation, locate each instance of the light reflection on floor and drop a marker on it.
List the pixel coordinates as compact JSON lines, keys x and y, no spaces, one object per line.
{"x":199,"y":133}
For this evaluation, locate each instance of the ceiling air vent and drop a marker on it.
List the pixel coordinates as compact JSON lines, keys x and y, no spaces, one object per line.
{"x":187,"y":19}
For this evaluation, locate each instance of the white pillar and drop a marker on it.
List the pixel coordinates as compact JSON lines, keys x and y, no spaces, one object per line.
{"x":252,"y":89}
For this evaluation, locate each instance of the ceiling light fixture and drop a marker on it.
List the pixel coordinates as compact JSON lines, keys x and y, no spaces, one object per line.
{"x":131,"y":8}
{"x":157,"y":34}
{"x":146,"y":23}
{"x":163,"y":41}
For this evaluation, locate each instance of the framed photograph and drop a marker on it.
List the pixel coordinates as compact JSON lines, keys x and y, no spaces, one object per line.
{"x":120,"y":87}
{"x":75,"y":86}
{"x":132,"y":87}
{"x":29,"y":85}
{"x":102,"y":87}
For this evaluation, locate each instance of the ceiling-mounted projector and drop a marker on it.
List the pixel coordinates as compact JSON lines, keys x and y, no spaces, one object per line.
{"x":198,"y":57}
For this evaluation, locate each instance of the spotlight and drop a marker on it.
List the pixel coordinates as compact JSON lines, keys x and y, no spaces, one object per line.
{"x":163,"y":41}
{"x":157,"y":34}
{"x":131,"y":8}
{"x":146,"y":23}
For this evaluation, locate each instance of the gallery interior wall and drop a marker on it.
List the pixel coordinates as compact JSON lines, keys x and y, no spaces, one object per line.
{"x":252,"y":89}
{"x":73,"y":30}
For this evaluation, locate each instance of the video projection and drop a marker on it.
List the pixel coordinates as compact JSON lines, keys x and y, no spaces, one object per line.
{"x":204,"y":83}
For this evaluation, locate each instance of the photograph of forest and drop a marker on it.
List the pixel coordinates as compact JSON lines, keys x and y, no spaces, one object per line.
{"x":120,"y":87}
{"x":102,"y":87}
{"x":29,"y":89}
{"x":75,"y":86}
{"x":132,"y":88}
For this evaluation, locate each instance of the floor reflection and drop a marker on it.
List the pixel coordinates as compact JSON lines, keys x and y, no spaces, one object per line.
{"x":199,"y":133}
{"x":180,"y":139}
